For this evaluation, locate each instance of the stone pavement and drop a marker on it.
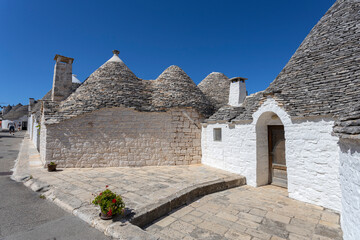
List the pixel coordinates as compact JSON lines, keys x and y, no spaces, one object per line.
{"x":248,"y":213}
{"x":148,"y":192}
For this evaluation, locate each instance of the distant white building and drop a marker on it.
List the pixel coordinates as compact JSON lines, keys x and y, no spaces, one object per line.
{"x":18,"y":114}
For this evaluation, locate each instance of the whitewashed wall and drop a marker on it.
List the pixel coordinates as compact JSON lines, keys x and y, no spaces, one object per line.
{"x":124,"y":137}
{"x":36,"y":134}
{"x":350,"y":188}
{"x":4,"y":124}
{"x":235,"y":153}
{"x":30,"y":126}
{"x":311,"y":154}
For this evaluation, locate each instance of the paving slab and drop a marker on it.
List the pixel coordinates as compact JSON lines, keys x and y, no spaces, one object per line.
{"x":249,"y":213}
{"x":148,"y":192}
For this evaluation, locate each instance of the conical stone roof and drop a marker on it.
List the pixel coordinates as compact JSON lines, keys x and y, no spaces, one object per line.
{"x":216,"y":88}
{"x":16,"y":112}
{"x":322,"y":77}
{"x":348,"y":125}
{"x":111,"y":85}
{"x":115,"y":85}
{"x":174,"y":88}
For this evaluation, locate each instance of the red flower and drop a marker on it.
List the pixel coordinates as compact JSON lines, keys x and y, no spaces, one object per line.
{"x":100,"y":194}
{"x":107,"y":186}
{"x":114,"y":200}
{"x":109,"y":213}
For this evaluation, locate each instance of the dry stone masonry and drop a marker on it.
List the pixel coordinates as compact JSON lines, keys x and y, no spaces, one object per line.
{"x":117,"y":137}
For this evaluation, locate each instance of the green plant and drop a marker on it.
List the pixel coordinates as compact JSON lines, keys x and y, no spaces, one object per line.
{"x":52,"y":163}
{"x":38,"y":127}
{"x":42,"y":196}
{"x":110,"y":203}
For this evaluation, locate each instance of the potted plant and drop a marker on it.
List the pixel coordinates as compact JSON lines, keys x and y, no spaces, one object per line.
{"x":110,"y":204}
{"x":52,"y":167}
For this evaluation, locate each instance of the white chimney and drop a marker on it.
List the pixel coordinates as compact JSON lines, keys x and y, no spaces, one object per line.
{"x":237,"y":92}
{"x":62,"y":82}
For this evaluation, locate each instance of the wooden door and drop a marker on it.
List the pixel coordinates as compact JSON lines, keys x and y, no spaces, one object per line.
{"x":277,"y":160}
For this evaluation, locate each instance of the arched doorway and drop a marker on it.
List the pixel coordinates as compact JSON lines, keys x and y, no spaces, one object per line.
{"x":270,"y":151}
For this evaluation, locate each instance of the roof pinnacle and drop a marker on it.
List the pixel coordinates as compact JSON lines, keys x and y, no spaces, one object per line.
{"x":116,"y":52}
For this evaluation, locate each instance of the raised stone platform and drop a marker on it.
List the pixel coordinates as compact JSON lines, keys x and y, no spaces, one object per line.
{"x":148,"y":192}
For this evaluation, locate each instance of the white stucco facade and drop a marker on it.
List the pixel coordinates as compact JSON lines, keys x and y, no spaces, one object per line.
{"x":350,"y":188}
{"x":311,"y":153}
{"x":4,"y":124}
{"x":34,"y":131}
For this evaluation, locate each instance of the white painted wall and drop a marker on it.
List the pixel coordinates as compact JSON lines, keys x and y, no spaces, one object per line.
{"x":30,"y":127}
{"x":311,"y":154}
{"x":4,"y":124}
{"x":235,"y":153}
{"x":313,"y":163}
{"x":34,"y":131}
{"x":350,"y":188}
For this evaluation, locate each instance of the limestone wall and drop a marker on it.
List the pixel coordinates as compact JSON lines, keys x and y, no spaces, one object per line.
{"x":350,"y":188}
{"x":312,"y":153}
{"x":124,"y":137}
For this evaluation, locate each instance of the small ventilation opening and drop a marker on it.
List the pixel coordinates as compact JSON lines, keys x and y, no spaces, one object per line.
{"x":217,"y":134}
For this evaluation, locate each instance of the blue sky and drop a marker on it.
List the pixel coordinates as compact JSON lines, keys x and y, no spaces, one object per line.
{"x":252,"y":39}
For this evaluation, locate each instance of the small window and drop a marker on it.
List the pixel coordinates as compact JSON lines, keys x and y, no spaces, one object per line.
{"x":217,"y":134}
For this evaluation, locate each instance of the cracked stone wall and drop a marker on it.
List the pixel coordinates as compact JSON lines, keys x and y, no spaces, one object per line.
{"x":116,"y":137}
{"x":350,"y":187}
{"x":312,"y":154}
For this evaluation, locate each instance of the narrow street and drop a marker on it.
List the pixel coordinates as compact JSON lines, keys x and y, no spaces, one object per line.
{"x":24,"y":215}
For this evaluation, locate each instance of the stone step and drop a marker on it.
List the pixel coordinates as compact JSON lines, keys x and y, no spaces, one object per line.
{"x":149,"y":214}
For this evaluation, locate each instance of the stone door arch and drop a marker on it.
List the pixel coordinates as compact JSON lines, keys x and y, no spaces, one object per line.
{"x":264,"y":169}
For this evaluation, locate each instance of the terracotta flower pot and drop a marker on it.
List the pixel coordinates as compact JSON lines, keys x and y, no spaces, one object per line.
{"x":104,"y":216}
{"x":52,"y":168}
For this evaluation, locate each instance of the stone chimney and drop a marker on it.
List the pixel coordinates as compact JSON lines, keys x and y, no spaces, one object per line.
{"x":62,"y":81}
{"x":31,"y":103}
{"x":237,"y":92}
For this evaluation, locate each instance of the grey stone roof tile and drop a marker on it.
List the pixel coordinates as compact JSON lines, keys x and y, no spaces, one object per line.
{"x":216,"y":87}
